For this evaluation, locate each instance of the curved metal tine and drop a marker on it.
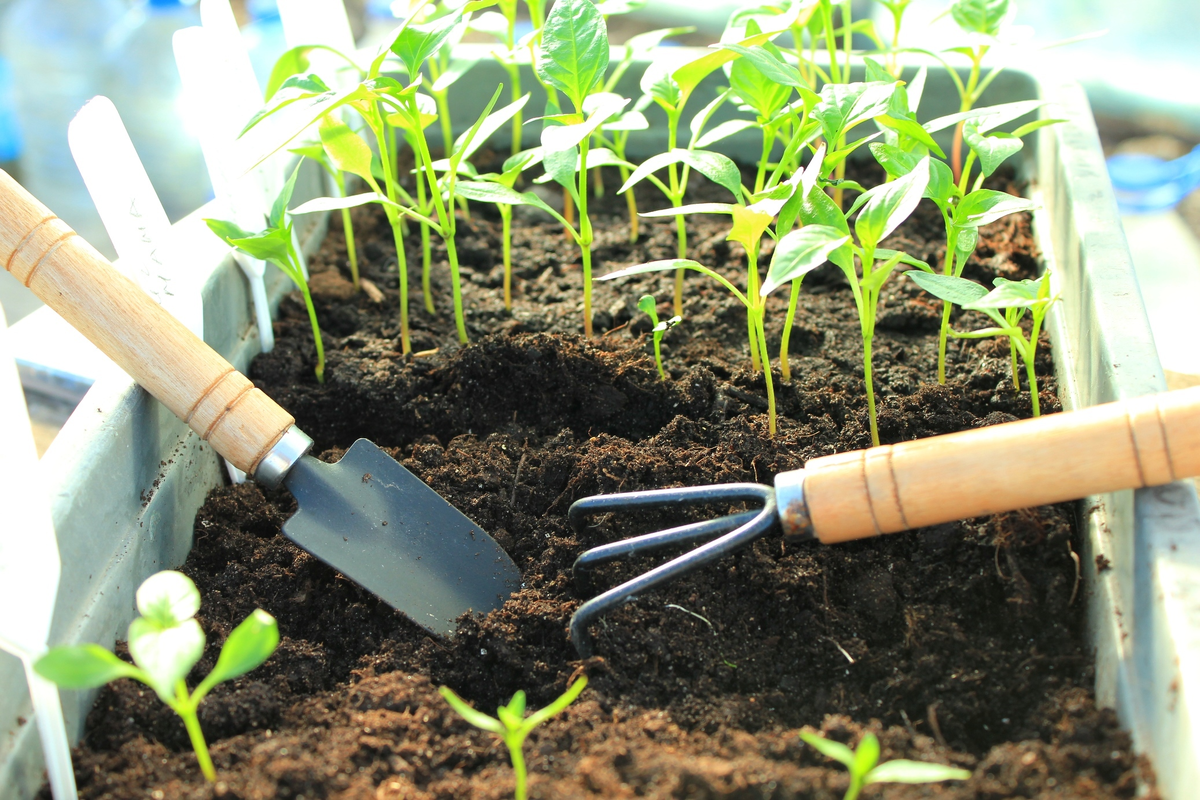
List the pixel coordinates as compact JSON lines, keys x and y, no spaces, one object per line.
{"x":763,"y":522}
{"x":656,"y":498}
{"x":684,"y":534}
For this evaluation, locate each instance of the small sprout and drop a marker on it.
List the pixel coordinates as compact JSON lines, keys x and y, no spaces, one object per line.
{"x":865,"y":769}
{"x":1005,"y":305}
{"x":650,"y":308}
{"x":511,"y":724}
{"x":275,"y":244}
{"x":166,"y":641}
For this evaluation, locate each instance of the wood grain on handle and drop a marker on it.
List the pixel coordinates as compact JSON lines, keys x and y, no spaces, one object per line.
{"x":160,"y":353}
{"x":1146,"y":441}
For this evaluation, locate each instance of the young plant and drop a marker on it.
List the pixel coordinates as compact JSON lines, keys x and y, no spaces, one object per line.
{"x":797,"y":253}
{"x":670,"y":85}
{"x":880,"y":212}
{"x":165,"y":642}
{"x":865,"y":769}
{"x":573,"y":58}
{"x":511,"y":724}
{"x":274,"y":244}
{"x":1005,"y":305}
{"x":648,"y":306}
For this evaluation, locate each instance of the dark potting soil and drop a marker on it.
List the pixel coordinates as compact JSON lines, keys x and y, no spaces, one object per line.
{"x":963,"y":643}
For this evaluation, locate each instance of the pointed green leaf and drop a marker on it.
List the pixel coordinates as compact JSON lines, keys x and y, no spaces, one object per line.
{"x":560,"y":703}
{"x":757,"y":90}
{"x":657,"y":83}
{"x":958,"y":291}
{"x":912,"y":129}
{"x":890,"y":204}
{"x":904,"y":771}
{"x":844,"y":105}
{"x":487,"y":192}
{"x":980,"y":16}
{"x":992,"y":150}
{"x":84,"y":667}
{"x":866,"y":755}
{"x":986,"y":205}
{"x":714,"y":166}
{"x":476,"y":718}
{"x":829,"y":748}
{"x":770,"y":66}
{"x":649,"y":306}
{"x":246,"y":648}
{"x":800,"y":252}
{"x":897,"y":163}
{"x":487,"y":124}
{"x":689,"y":76}
{"x":574,"y":50}
{"x":321,"y":204}
{"x":1011,"y":294}
{"x":416,"y":43}
{"x":987,"y":117}
{"x":279,"y":207}
{"x":694,"y":208}
{"x":346,"y":149}
{"x":902,"y":258}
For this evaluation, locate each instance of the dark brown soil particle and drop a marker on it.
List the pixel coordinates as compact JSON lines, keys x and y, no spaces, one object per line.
{"x":962,"y":644}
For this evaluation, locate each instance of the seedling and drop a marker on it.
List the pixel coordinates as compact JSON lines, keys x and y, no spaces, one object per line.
{"x":511,"y":724}
{"x":1014,"y":298}
{"x":865,"y":769}
{"x":880,"y":212}
{"x":648,"y":306}
{"x":165,"y":642}
{"x":274,"y":244}
{"x":573,"y":58}
{"x":796,"y":254}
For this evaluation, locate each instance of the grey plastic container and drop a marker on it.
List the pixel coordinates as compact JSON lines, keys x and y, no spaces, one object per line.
{"x":121,"y":516}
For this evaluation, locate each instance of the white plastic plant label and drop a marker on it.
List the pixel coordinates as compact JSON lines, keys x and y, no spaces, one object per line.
{"x":29,"y":568}
{"x":322,"y":22}
{"x":130,"y":209}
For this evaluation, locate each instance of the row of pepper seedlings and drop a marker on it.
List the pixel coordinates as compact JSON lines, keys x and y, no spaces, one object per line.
{"x":594,"y":131}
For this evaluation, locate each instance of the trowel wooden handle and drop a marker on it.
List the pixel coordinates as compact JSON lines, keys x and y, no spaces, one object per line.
{"x":173,"y":364}
{"x":1146,"y":441}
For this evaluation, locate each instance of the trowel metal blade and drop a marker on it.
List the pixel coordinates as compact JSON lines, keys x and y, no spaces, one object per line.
{"x":379,"y":525}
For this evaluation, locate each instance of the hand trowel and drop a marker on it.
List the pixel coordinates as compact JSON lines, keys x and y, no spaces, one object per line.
{"x":366,"y":516}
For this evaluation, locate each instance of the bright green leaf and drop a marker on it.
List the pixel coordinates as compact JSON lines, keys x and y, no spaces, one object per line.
{"x":987,"y":205}
{"x":980,"y":16}
{"x":866,"y":755}
{"x":416,"y":43}
{"x":168,"y":598}
{"x":574,"y":50}
{"x":904,"y":771}
{"x":346,"y":149}
{"x":84,"y":667}
{"x":165,"y":654}
{"x":476,"y":718}
{"x":992,"y":150}
{"x":829,"y":748}
{"x":247,"y":646}
{"x":889,"y":204}
{"x":958,"y":291}
{"x":800,"y":252}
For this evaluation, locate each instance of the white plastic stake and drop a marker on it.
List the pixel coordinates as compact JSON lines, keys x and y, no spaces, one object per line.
{"x":317,"y":22}
{"x":215,"y":84}
{"x":133,"y":215}
{"x":130,"y":209}
{"x":29,"y":569}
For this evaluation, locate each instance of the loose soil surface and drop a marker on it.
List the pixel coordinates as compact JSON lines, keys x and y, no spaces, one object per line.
{"x":962,"y":644}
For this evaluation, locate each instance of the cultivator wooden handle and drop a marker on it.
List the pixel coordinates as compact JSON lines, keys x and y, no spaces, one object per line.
{"x":1145,"y":441}
{"x":173,"y":364}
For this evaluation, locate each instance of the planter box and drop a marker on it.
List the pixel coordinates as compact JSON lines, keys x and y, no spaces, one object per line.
{"x":133,"y":516}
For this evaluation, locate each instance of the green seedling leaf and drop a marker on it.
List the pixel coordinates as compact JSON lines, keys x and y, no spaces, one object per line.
{"x":600,"y":157}
{"x":426,"y":111}
{"x":658,"y":84}
{"x":345,"y":149}
{"x":266,"y":246}
{"x":992,"y":150}
{"x":561,"y":138}
{"x":829,"y":748}
{"x":722,"y":131}
{"x":844,"y":105}
{"x":694,"y":208}
{"x":902,"y":258}
{"x":648,"y":306}
{"x":769,"y":65}
{"x":762,"y":94}
{"x":1030,"y":127}
{"x":84,"y":667}
{"x":689,"y":76}
{"x":672,"y":264}
{"x":279,"y":207}
{"x":984,"y":206}
{"x":905,"y":771}
{"x":985,"y":17}
{"x":165,"y":653}
{"x":912,"y":129}
{"x":958,"y":291}
{"x":574,"y":50}
{"x":717,"y":168}
{"x":800,"y":252}
{"x":629,"y":121}
{"x":1011,"y":294}
{"x":987,"y":117}
{"x":296,"y":61}
{"x":168,"y":598}
{"x":897,"y":163}
{"x":469,"y":141}
{"x":416,"y":43}
{"x":473,"y":717}
{"x":749,"y":225}
{"x":318,"y":204}
{"x":889,"y":204}
{"x":701,"y":118}
{"x":866,"y":755}
{"x":246,"y":648}
{"x":488,"y":192}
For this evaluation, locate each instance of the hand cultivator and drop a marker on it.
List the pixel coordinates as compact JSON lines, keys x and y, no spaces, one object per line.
{"x":1146,"y":441}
